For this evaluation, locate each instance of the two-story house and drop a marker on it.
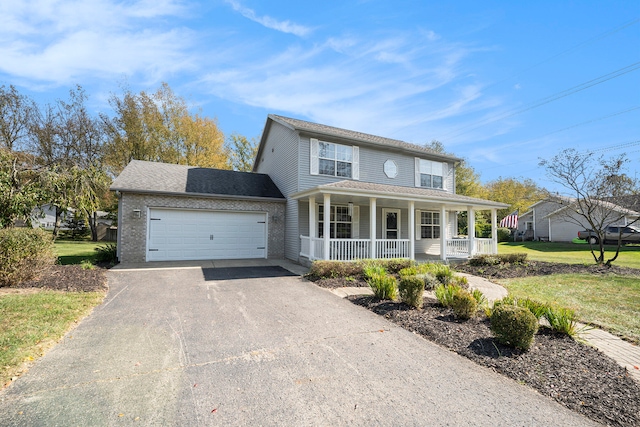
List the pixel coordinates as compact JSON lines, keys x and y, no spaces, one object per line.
{"x":317,"y":192}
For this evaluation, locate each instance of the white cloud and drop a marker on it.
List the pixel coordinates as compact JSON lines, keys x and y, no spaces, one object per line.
{"x":63,"y":42}
{"x":269,"y":22}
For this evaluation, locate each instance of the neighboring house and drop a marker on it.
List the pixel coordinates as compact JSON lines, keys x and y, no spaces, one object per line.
{"x":555,"y":220}
{"x":320,"y":192}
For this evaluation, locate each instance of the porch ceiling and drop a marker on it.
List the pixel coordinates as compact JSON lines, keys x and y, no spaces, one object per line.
{"x":359,"y":193}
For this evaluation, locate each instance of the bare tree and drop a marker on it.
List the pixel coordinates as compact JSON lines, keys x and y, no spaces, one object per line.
{"x":591,"y":181}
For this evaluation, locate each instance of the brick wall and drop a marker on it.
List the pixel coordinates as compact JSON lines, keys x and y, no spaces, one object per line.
{"x":133,"y":237}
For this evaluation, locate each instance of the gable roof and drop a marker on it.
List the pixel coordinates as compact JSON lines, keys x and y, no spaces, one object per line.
{"x":317,"y":129}
{"x":165,"y":178}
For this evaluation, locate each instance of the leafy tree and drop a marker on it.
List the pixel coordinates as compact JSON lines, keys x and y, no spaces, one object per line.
{"x":20,"y":189}
{"x":159,"y":127}
{"x":242,"y":152}
{"x":590,"y":181}
{"x":16,"y":112}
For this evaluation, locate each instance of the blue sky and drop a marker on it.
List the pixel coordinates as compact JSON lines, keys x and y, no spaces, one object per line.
{"x":500,"y":83}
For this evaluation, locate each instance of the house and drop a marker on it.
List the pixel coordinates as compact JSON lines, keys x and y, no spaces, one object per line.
{"x":555,"y":219}
{"x":316,"y":192}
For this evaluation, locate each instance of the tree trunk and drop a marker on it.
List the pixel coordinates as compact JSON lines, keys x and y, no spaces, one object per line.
{"x":93,"y":224}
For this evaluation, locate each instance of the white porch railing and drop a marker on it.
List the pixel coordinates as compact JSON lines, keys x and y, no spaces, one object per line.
{"x":350,"y":249}
{"x":459,"y":248}
{"x":392,"y":248}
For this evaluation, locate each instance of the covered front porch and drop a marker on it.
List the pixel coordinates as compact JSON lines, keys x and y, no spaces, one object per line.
{"x":382,"y":222}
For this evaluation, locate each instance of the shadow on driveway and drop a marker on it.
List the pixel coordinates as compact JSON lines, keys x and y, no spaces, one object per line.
{"x":233,"y":273}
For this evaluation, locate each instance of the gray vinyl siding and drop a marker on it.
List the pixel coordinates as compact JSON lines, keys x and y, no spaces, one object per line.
{"x":279,"y":160}
{"x":371,"y":167}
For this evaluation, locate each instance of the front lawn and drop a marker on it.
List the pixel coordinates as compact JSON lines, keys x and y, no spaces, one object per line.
{"x":570,"y":253}
{"x":74,"y":251}
{"x":30,"y":323}
{"x":608,"y":301}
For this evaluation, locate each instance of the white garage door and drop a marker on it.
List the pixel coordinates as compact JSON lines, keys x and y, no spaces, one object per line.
{"x":176,"y":234}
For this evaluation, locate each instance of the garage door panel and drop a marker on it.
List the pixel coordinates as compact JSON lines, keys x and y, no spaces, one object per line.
{"x":186,"y":235}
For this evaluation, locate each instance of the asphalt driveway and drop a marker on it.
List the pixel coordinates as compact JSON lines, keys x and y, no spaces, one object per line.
{"x":168,"y":347}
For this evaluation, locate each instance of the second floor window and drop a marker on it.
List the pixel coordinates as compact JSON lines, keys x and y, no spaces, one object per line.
{"x":334,"y":159}
{"x":431,"y":174}
{"x":331,"y":159}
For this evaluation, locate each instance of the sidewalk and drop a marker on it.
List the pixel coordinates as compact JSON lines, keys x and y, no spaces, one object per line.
{"x":624,"y":353}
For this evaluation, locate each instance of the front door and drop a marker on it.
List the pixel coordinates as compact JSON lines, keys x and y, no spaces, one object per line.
{"x":391,"y":223}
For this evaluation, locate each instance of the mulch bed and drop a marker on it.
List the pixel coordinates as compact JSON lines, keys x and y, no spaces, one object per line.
{"x":71,"y":278}
{"x":540,"y":268}
{"x":578,"y":376}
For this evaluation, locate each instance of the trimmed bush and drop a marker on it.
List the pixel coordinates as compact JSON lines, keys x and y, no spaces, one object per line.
{"x":514,"y":326}
{"x":445,"y":294}
{"x":411,"y":289}
{"x":429,"y":280}
{"x":464,"y":305}
{"x":383,"y":285}
{"x":107,"y":253}
{"x":24,"y":253}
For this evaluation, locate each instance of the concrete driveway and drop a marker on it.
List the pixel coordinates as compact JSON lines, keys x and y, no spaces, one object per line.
{"x":194,"y":347}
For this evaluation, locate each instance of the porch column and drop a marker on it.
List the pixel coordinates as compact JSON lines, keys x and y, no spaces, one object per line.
{"x":471,"y":230}
{"x":412,"y":230}
{"x":312,"y":226}
{"x":443,"y":233}
{"x":326,"y":224}
{"x":494,"y":230}
{"x":372,"y":225}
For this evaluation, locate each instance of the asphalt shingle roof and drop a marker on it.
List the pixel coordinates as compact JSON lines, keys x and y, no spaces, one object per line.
{"x":153,"y":177}
{"x":317,"y":128}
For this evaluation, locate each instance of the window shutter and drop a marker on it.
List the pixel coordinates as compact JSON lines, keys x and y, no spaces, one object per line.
{"x":355,"y":164}
{"x":313,"y":161}
{"x":418,"y":223}
{"x":417,"y":183}
{"x":355,"y":223}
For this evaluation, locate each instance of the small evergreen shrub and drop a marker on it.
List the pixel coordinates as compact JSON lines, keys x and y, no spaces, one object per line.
{"x":429,"y":280}
{"x":514,"y":326}
{"x":408,"y":271}
{"x":445,"y":294}
{"x":562,"y":320}
{"x":461,"y":281}
{"x":107,"y":253}
{"x":383,"y":285}
{"x":24,"y":253}
{"x":411,"y":289}
{"x":464,"y":305}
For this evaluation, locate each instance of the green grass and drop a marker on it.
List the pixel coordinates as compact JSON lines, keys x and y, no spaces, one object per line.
{"x":75,"y":251}
{"x":31,"y":323}
{"x":608,"y":301}
{"x":571,"y":253}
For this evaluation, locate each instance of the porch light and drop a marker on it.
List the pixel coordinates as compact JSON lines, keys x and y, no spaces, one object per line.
{"x":350,"y":207}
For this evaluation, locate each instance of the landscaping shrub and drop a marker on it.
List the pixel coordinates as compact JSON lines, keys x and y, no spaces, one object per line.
{"x":107,"y":253}
{"x":445,"y":293}
{"x":561,"y":320}
{"x":514,"y":326}
{"x":429,"y":280}
{"x":333,"y":269}
{"x":504,"y":234}
{"x":464,"y":305}
{"x":383,"y":286}
{"x":24,"y":253}
{"x":408,"y":271}
{"x":411,"y":289}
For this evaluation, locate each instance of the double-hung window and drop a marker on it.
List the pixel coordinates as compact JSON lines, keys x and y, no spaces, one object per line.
{"x":331,"y":159}
{"x":429,"y":225}
{"x":340,"y":222}
{"x":429,"y":174}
